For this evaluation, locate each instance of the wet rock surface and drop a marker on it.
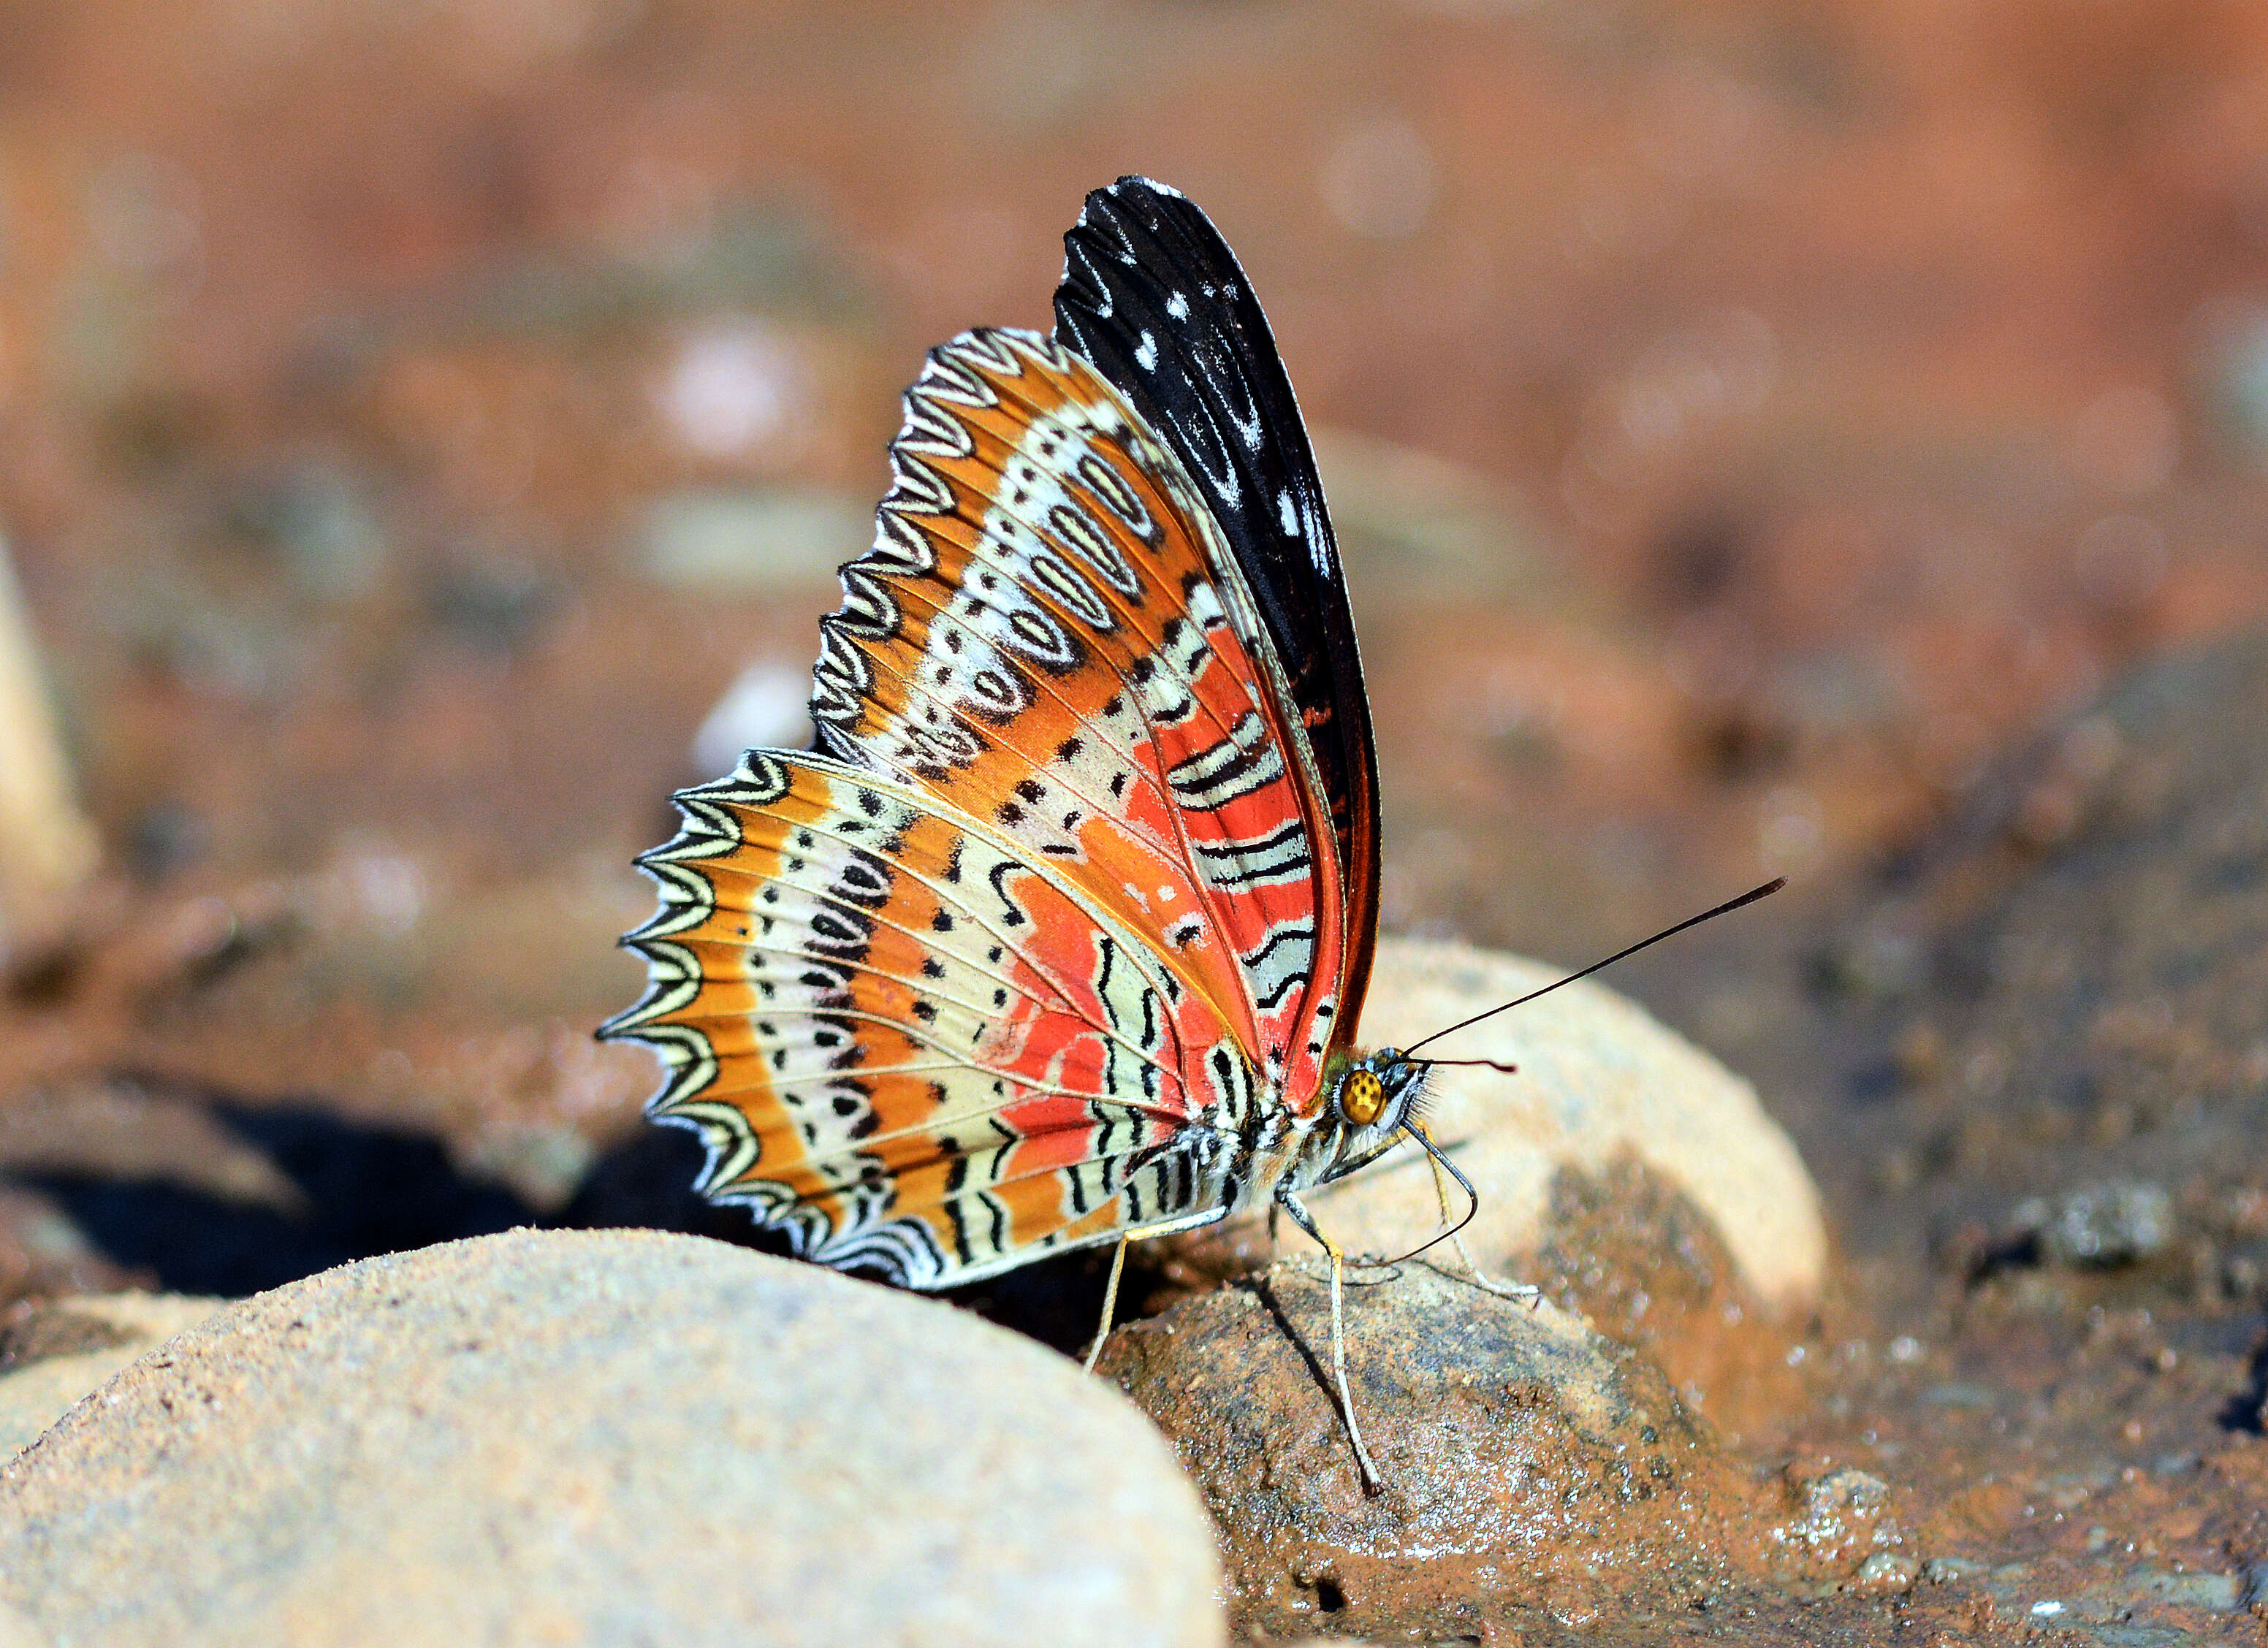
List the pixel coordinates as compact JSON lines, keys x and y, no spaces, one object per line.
{"x":1644,"y":1267}
{"x":1527,"y":1466}
{"x":565,"y":1437}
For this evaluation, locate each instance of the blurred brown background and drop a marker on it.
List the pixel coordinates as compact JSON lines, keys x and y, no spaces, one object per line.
{"x":427,"y":431}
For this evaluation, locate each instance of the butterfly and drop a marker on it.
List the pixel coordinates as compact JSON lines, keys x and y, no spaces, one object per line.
{"x":1059,"y":934}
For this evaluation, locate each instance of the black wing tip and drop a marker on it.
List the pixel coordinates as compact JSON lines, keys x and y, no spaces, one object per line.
{"x":1133,"y":183}
{"x":1141,"y":202}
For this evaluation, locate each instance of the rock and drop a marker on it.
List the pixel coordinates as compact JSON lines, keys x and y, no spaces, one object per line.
{"x":316,"y":521}
{"x":1415,"y":526}
{"x":767,"y":706}
{"x":2154,"y":1599}
{"x":1598,"y":1081}
{"x":1948,"y":1569}
{"x":1526,"y":1461}
{"x":1888,"y":1570}
{"x":122,"y":1129}
{"x":1840,"y":1512}
{"x":548,"y":1436}
{"x":52,"y":1354}
{"x":43,"y":1252}
{"x":2120,"y":1222}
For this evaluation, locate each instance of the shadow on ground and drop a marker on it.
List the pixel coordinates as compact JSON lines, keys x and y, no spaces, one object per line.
{"x":365,"y":1190}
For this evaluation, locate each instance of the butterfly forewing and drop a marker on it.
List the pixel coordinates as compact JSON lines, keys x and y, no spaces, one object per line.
{"x":1050,"y":632}
{"x":1154,"y":297}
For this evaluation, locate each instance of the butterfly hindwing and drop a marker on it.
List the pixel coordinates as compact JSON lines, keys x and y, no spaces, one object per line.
{"x":908,"y":1047}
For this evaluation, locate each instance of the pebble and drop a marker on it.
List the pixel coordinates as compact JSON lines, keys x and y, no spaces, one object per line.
{"x":1413,"y":525}
{"x":1837,"y":1511}
{"x":315,"y":519}
{"x":1888,"y":1570}
{"x":613,"y":1436}
{"x":2214,"y":1592}
{"x":727,"y":542}
{"x":1597,"y":1078}
{"x":767,"y":706}
{"x":1947,"y":1569}
{"x":2099,"y":1606}
{"x":2120,"y":1222}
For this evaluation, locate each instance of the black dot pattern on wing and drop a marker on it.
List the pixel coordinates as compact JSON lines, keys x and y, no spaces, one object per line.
{"x":1153,"y":296}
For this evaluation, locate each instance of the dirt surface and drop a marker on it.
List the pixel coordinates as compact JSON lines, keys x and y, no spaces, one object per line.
{"x":1758,"y":434}
{"x":2045,"y":1034}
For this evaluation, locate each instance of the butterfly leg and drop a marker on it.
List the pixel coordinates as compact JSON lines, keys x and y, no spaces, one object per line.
{"x":1306,"y":1221}
{"x":1118,"y":1270}
{"x":1109,"y":1301}
{"x":1526,"y":1290}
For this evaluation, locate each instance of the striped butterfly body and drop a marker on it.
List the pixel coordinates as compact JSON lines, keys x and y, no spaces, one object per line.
{"x":1060,"y":932}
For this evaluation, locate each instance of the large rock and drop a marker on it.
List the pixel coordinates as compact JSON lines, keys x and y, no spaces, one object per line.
{"x":1530,"y":1470}
{"x":1599,"y":1081}
{"x":603,"y":1436}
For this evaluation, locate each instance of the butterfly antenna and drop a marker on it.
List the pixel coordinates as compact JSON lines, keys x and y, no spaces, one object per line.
{"x":1726,"y":908}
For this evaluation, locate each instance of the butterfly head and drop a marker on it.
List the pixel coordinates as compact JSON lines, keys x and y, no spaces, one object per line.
{"x":1373,"y":1100}
{"x":1375,"y":1093}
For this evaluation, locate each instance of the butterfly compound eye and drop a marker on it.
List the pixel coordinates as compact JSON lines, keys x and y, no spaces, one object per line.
{"x":1362,"y":1097}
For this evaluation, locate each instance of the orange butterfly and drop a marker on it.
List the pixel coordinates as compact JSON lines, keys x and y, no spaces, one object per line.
{"x":1059,"y":936}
